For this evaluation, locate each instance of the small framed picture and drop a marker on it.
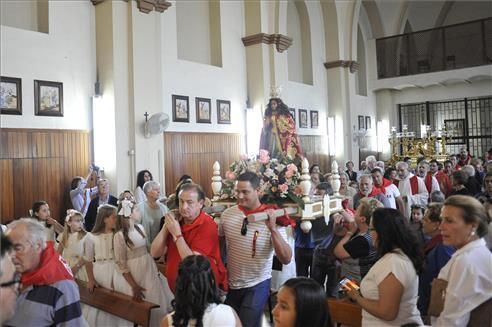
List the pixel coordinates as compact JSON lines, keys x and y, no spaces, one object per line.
{"x":223,"y":112}
{"x":293,"y":113}
{"x":456,"y":127}
{"x":361,"y":122}
{"x":203,"y":113}
{"x":48,"y":98}
{"x":10,"y":96}
{"x":303,"y":118}
{"x":181,"y":109}
{"x":314,"y":118}
{"x":368,"y":122}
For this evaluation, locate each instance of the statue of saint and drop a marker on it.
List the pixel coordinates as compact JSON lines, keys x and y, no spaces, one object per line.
{"x":278,"y":135}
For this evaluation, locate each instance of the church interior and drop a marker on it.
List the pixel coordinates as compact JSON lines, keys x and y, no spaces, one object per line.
{"x":173,"y":87}
{"x":350,"y":64}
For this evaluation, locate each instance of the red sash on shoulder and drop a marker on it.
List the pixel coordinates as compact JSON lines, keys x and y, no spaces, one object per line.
{"x":414,"y":184}
{"x":428,"y":182}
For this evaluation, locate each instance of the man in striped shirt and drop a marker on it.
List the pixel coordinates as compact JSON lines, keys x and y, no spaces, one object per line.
{"x":250,"y":248}
{"x":49,"y":295}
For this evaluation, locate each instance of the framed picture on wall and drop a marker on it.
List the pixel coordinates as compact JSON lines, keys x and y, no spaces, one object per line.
{"x":48,"y":98}
{"x":203,"y":113}
{"x":361,"y":122}
{"x":10,"y":96}
{"x":181,"y":109}
{"x":223,"y":112}
{"x":368,"y":122}
{"x":314,"y":118}
{"x":293,"y":113}
{"x":455,"y":127}
{"x":303,"y":118}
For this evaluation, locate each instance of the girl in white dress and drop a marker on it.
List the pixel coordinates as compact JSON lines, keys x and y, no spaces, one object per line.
{"x":71,"y":244}
{"x":141,"y":279}
{"x":41,"y":211}
{"x":100,"y":266}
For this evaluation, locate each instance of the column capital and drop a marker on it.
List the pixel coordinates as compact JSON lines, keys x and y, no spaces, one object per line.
{"x":351,"y":64}
{"x":282,"y":42}
{"x":145,"y":6}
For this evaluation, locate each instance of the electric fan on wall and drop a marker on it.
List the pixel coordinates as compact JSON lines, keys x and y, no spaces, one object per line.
{"x":156,"y":124}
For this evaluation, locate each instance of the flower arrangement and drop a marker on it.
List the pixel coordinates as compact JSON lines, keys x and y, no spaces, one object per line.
{"x":279,"y":178}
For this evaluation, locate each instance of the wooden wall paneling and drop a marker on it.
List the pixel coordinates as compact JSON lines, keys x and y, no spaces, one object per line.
{"x":6,"y":191}
{"x":312,"y":146}
{"x":23,"y":189}
{"x":43,"y":163}
{"x":195,"y":153}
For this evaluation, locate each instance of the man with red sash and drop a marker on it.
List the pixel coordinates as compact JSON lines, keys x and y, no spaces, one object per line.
{"x":366,"y":189}
{"x":412,"y":188}
{"x":191,"y":232}
{"x":423,"y":171}
{"x":442,"y":178}
{"x":388,"y":189}
{"x":464,"y":158}
{"x":250,"y":249}
{"x":49,"y":295}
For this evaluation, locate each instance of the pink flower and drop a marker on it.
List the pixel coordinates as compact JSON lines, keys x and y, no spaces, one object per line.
{"x":243,"y":157}
{"x":292,"y":168}
{"x":230,"y":175}
{"x":264,"y":157}
{"x":283,"y":187}
{"x":289,"y":174}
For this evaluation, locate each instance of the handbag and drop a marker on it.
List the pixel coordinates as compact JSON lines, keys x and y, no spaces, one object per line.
{"x":438,"y":295}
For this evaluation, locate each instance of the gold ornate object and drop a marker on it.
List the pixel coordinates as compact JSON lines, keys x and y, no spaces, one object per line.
{"x":418,"y":147}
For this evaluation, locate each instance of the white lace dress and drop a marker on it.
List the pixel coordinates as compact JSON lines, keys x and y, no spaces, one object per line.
{"x":73,"y":252}
{"x":99,"y":249}
{"x":143,"y":269}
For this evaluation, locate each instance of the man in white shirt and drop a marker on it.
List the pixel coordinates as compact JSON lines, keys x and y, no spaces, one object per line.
{"x":424,"y":173}
{"x":388,"y":189}
{"x":412,"y":188}
{"x":250,"y":248}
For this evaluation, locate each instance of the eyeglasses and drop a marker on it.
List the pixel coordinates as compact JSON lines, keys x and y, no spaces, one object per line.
{"x":14,"y":282}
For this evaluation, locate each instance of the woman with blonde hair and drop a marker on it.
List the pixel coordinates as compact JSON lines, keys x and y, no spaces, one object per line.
{"x":469,"y":271}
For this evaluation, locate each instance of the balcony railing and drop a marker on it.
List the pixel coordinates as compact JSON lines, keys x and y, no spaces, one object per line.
{"x":450,"y":47}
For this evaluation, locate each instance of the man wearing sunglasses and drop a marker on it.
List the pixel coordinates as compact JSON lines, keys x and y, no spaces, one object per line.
{"x":250,"y":248}
{"x":9,"y":282}
{"x":49,"y":295}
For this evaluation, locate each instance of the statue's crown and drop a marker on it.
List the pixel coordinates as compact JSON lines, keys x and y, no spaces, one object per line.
{"x":275,"y":91}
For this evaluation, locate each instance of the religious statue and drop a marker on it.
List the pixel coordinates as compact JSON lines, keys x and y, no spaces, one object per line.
{"x":278,"y":135}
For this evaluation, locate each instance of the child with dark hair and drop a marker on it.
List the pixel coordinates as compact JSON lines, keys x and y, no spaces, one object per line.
{"x":197,"y":301}
{"x":301,"y":302}
{"x":143,"y":177}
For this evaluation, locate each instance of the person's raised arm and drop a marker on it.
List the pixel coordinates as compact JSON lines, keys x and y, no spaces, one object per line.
{"x":282,"y":249}
{"x":158,"y":246}
{"x":339,"y":250}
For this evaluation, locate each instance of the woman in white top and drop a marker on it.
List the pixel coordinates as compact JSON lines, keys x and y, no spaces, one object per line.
{"x":197,"y":301}
{"x":143,"y":176}
{"x":469,"y":271}
{"x":389,"y":291}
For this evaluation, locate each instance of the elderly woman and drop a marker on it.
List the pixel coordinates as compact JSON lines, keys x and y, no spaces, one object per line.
{"x":468,"y":272}
{"x":151,"y":210}
{"x":388,"y":293}
{"x":347,"y":191}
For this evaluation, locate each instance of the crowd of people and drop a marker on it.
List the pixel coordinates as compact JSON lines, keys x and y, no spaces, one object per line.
{"x":404,"y":232}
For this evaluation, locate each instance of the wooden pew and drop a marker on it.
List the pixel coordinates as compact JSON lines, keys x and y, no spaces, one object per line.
{"x":116,"y":303}
{"x":344,"y":312}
